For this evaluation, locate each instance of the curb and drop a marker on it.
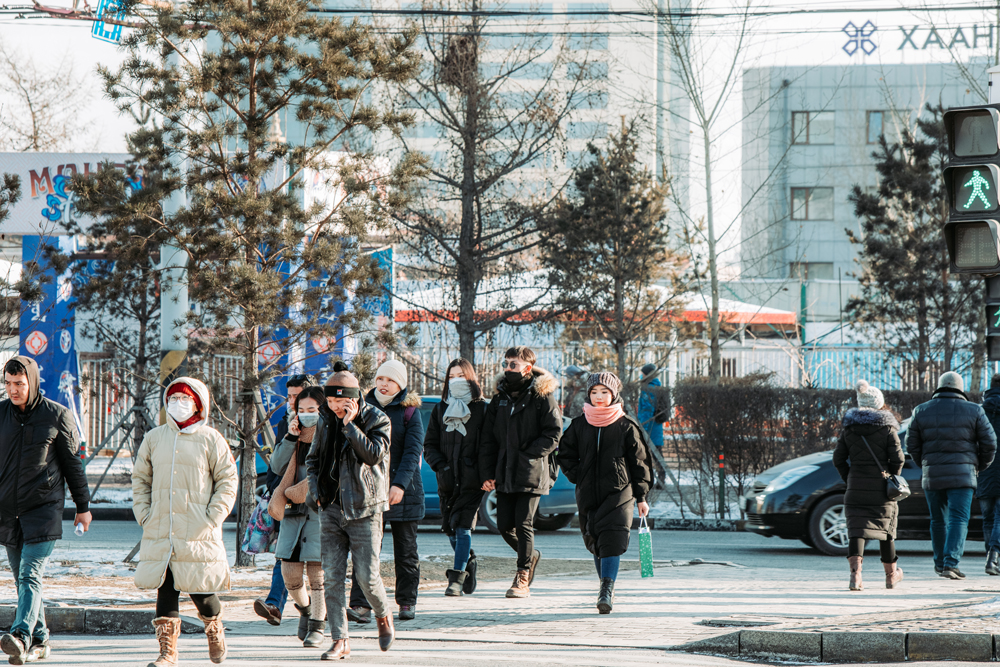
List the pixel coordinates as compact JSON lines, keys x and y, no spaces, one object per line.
{"x":99,"y":621}
{"x":848,"y":647}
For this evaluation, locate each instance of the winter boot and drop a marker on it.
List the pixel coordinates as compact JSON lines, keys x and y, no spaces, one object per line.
{"x":339,"y":651}
{"x":893,"y":575}
{"x":216,"y":635}
{"x":536,"y":556}
{"x":314,"y":633}
{"x":606,"y":598}
{"x":167,"y":632}
{"x":993,"y":562}
{"x":855,"y":562}
{"x":519,"y":589}
{"x":386,"y":633}
{"x":469,"y":587}
{"x":303,"y":621}
{"x":456,"y":582}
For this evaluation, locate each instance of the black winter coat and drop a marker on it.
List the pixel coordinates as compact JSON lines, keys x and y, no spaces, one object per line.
{"x":989,"y":479}
{"x":519,"y":434}
{"x":870,"y":513}
{"x":952,"y":439}
{"x":364,"y":464}
{"x":407,"y":445}
{"x":454,"y":458}
{"x":38,"y":457}
{"x":610,"y":467}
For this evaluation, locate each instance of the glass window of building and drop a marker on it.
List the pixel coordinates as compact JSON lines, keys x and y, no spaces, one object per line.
{"x":810,"y":270}
{"x":812,"y":203}
{"x":876,"y":120}
{"x":812,"y":127}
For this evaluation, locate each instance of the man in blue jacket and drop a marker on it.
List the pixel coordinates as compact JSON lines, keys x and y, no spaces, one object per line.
{"x":988,"y":489}
{"x":952,"y":440}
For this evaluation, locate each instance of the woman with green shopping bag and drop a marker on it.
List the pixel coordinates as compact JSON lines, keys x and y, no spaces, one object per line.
{"x":605,"y":453}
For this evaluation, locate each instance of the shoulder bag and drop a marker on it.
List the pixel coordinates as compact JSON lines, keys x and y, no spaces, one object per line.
{"x":896,"y":488}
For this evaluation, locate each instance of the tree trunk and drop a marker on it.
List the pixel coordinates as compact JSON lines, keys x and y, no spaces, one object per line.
{"x":245,"y":500}
{"x":140,"y":384}
{"x":715,"y":362}
{"x":469,"y":271}
{"x":620,"y":342}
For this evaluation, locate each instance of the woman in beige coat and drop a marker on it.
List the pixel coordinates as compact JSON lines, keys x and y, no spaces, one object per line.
{"x":183,"y":487}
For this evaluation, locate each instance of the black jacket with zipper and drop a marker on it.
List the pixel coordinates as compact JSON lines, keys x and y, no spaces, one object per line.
{"x":38,"y":456}
{"x":454,"y":458}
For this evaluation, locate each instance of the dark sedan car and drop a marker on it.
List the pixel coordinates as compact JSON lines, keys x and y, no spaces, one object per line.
{"x":803,"y":499}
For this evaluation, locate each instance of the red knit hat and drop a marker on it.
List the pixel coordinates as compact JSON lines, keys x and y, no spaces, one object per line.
{"x":182,"y":388}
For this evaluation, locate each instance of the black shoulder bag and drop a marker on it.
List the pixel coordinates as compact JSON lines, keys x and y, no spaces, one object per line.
{"x":896,"y":488}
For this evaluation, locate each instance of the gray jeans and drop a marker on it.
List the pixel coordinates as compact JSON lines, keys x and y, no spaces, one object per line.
{"x":363,"y":538}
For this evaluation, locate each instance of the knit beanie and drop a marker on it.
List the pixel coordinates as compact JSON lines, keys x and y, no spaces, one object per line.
{"x":342,"y":384}
{"x":869,"y":396}
{"x":606,"y":379}
{"x":395,"y":371}
{"x":648,"y":369}
{"x":951,"y":380}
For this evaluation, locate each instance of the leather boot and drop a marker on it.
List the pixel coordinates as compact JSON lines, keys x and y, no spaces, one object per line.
{"x":303,"y":621}
{"x":167,"y":632}
{"x":456,"y":581}
{"x":856,"y":584}
{"x":340,"y":650}
{"x":469,"y":587}
{"x":606,"y":598}
{"x":216,"y":635}
{"x":536,"y":556}
{"x":386,"y":633}
{"x":993,"y":562}
{"x":893,"y":575}
{"x":314,"y":633}
{"x":519,"y":589}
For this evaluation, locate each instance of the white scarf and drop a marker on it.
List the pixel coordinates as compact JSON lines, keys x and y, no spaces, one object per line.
{"x":384,"y":399}
{"x":458,"y":413}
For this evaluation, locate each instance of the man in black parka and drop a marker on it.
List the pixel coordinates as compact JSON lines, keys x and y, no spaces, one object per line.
{"x":522,"y":428}
{"x":38,"y":455}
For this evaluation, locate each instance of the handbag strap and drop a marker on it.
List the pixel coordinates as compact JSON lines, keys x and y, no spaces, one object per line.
{"x":877,"y":462}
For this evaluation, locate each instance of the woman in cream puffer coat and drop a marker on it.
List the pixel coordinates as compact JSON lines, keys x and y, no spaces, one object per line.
{"x":183,"y":487}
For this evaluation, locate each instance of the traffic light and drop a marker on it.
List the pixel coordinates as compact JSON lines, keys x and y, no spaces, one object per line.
{"x":972,"y":179}
{"x":993,"y":318}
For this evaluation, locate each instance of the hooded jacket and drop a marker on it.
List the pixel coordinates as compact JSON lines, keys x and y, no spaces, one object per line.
{"x":364,"y":464}
{"x":519,"y":434}
{"x":183,"y":487}
{"x":405,"y":449}
{"x":989,"y":479}
{"x":38,"y":456}
{"x":870,"y":513}
{"x":951,"y":438}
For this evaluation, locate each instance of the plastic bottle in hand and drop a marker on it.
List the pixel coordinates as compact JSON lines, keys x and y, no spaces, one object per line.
{"x":79,"y":530}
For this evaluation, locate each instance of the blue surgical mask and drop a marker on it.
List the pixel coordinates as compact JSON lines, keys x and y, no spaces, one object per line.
{"x":308,"y":419}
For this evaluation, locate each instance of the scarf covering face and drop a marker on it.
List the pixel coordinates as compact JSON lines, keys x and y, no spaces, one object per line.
{"x":385,"y":399}
{"x":458,"y":413}
{"x":601,"y":417}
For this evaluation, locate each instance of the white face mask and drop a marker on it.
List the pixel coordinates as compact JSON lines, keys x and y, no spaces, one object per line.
{"x":180,"y":410}
{"x":307,"y":419}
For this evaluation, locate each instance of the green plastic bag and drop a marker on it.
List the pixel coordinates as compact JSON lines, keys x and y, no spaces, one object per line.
{"x":645,"y":548}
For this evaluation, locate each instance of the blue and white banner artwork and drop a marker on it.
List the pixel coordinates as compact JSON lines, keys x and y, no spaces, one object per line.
{"x":104,"y":31}
{"x":48,"y":331}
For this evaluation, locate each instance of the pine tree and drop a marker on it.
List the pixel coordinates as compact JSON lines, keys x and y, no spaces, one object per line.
{"x":910,"y":304}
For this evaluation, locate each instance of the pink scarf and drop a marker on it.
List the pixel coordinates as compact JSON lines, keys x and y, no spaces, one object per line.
{"x":601,"y":417}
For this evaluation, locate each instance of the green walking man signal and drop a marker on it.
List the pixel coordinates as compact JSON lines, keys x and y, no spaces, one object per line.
{"x":977,"y":182}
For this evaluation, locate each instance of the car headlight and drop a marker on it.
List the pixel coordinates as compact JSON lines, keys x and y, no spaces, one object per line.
{"x":788,"y":478}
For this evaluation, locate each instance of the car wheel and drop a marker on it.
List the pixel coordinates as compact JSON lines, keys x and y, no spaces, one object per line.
{"x":488,"y":512}
{"x":552,"y":521}
{"x":828,"y":526}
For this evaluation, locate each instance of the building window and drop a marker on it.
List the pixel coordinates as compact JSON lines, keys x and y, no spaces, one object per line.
{"x":810,"y":270}
{"x":876,"y":120}
{"x":582,"y":41}
{"x":812,"y":127}
{"x":812,"y":203}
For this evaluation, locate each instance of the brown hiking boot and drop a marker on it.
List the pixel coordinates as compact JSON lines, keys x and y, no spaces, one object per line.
{"x":167,"y":632}
{"x":893,"y":575}
{"x":216,"y":637}
{"x":519,"y":589}
{"x":339,"y":651}
{"x":386,"y":633}
{"x":855,"y":562}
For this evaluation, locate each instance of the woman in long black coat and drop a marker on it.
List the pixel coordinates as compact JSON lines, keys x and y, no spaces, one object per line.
{"x":605,"y":453}
{"x":870,"y":514}
{"x":451,"y":448}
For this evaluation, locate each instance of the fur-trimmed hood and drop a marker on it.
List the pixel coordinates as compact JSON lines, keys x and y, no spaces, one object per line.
{"x":405,"y":398}
{"x":543,"y":384}
{"x":870,"y":417}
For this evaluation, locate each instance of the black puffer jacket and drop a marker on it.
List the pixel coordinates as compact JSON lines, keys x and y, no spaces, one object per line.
{"x":610,"y":467}
{"x":989,"y":479}
{"x":454,"y":458}
{"x":363,"y":447}
{"x":519,"y":434}
{"x":407,"y":444}
{"x":952,"y":439}
{"x":38,"y":457}
{"x":870,"y":513}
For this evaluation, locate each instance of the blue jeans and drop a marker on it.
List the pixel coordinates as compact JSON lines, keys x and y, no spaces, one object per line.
{"x":990,"y":508}
{"x":950,"y":510}
{"x":27,"y":564}
{"x":607,"y":567}
{"x":461,"y":542}
{"x":278,"y":594}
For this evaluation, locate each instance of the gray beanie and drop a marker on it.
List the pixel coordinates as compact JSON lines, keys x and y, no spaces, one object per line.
{"x":869,"y":396}
{"x":648,"y":369}
{"x":606,"y":379}
{"x":951,"y":380}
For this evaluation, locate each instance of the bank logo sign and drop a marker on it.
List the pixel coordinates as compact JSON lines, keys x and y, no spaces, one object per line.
{"x":859,"y":38}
